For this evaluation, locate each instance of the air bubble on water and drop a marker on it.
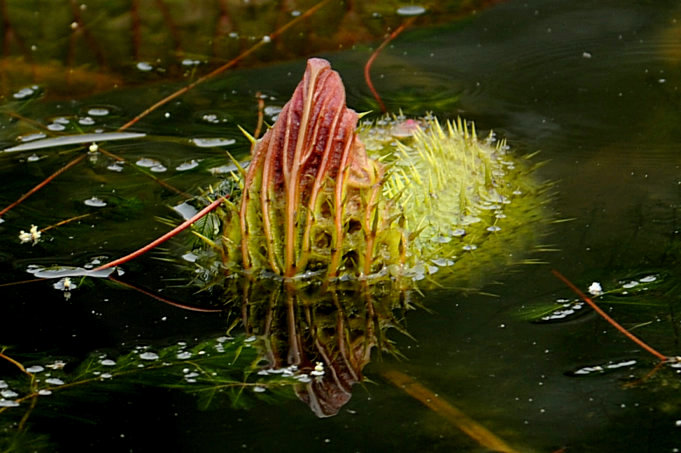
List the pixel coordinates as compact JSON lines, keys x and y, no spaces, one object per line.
{"x":35,"y":369}
{"x":31,"y":137}
{"x":144,"y":66}
{"x":469,"y":247}
{"x":443,"y":262}
{"x":54,"y":381}
{"x":212,"y":142}
{"x":95,"y":202}
{"x":33,"y":158}
{"x":159,"y":168}
{"x":411,"y":10}
{"x":56,"y":127}
{"x":459,"y":232}
{"x":190,"y":257}
{"x":86,"y":121}
{"x":187,"y":165}
{"x":147,"y":163}
{"x":8,"y":393}
{"x":149,"y":356}
{"x":98,"y":111}
{"x":493,"y":228}
{"x":25,"y":92}
{"x":272,"y":110}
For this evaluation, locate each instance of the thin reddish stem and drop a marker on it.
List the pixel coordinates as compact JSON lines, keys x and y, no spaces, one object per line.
{"x":164,"y":300}
{"x":163,"y":238}
{"x":605,"y":316}
{"x":225,"y":66}
{"x":370,"y":61}
{"x":43,"y":184}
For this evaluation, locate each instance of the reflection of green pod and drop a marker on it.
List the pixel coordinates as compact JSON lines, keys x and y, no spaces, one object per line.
{"x":401,"y":197}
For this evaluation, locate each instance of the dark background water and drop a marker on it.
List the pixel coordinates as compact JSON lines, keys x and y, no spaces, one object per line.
{"x":592,"y":85}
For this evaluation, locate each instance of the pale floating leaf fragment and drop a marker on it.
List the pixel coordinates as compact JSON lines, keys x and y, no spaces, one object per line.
{"x":66,"y":271}
{"x":74,"y":140}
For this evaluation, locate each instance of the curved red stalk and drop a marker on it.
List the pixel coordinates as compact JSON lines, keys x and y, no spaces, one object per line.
{"x":164,"y":300}
{"x":44,"y":183}
{"x":605,"y":316}
{"x":163,"y":238}
{"x":374,"y":55}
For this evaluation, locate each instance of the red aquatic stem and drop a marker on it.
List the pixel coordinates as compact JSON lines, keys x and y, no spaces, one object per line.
{"x":226,"y":66}
{"x":163,"y":238}
{"x":163,"y":299}
{"x":43,"y":184}
{"x":374,"y":55}
{"x":605,"y":316}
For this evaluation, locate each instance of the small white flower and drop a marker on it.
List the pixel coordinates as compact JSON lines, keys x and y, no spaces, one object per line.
{"x":595,"y":289}
{"x":57,"y":365}
{"x":318,"y":369}
{"x":93,"y":147}
{"x":33,"y":235}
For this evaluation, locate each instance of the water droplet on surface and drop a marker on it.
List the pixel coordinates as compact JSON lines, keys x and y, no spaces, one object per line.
{"x":149,"y":356}
{"x":144,"y":66}
{"x":148,"y":163}
{"x":95,"y":202}
{"x":158,"y":168}
{"x":212,"y":142}
{"x":411,"y":10}
{"x":187,"y":165}
{"x":98,"y":111}
{"x":31,"y":137}
{"x":56,"y":127}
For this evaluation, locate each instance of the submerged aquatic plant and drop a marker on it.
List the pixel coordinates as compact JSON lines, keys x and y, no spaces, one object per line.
{"x":397,"y":197}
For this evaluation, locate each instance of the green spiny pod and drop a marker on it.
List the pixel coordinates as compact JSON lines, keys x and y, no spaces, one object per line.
{"x":325,"y":200}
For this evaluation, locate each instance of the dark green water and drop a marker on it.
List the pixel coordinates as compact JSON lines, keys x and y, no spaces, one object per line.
{"x":593,"y":85}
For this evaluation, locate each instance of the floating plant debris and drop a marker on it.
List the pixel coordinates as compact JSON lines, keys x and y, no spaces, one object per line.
{"x":74,"y":140}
